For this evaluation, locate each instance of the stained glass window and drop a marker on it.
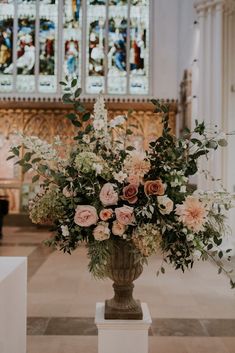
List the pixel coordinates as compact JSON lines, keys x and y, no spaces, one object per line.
{"x":72,"y":38}
{"x":104,"y":43}
{"x":117,"y":46}
{"x":139,"y":44}
{"x":95,"y":53}
{"x":25,"y":63}
{"x":6,"y":45}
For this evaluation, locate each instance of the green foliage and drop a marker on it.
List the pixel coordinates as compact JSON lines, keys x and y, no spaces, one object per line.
{"x":151,"y":187}
{"x":99,"y":255}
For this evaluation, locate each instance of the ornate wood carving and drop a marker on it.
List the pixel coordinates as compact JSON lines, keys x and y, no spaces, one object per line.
{"x":48,"y":120}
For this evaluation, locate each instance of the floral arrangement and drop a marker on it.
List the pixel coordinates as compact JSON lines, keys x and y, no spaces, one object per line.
{"x":101,"y":190}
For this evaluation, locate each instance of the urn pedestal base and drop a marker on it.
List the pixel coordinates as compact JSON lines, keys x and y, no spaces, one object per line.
{"x":122,"y":336}
{"x":123,"y":306}
{"x":134,"y":313}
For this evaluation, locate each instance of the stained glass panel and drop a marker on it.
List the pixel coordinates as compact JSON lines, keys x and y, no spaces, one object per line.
{"x":6,"y":46}
{"x":25,"y":62}
{"x":48,"y":19}
{"x":139,"y":46}
{"x":72,"y":36}
{"x":117,"y":44}
{"x":96,"y":14}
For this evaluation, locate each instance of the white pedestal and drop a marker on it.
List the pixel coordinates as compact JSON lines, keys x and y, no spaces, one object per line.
{"x":122,"y":336}
{"x":13,"y":289}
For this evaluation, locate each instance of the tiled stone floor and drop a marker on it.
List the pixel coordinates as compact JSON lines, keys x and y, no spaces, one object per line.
{"x":192,"y":313}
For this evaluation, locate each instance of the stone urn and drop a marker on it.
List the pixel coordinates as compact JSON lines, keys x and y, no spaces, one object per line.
{"x":123,"y":269}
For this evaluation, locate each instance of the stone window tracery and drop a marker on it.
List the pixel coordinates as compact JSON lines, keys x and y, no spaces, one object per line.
{"x":105,"y":43}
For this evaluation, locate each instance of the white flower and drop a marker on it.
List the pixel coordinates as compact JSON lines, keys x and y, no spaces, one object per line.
{"x":118,"y":120}
{"x":190,"y":237}
{"x":165,"y":204}
{"x":65,"y":231}
{"x":98,"y":124}
{"x":183,"y":188}
{"x":197,"y":254}
{"x":86,"y":138}
{"x":120,"y":176}
{"x":97,"y":168}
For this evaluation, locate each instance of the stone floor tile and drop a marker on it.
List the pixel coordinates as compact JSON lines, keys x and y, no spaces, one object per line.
{"x":219,"y":327}
{"x":178,"y":327}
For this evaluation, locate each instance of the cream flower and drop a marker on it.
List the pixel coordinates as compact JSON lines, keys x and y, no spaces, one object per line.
{"x":118,"y":228}
{"x":192,"y":213}
{"x":120,"y":176}
{"x":65,"y":231}
{"x":136,"y":163}
{"x":101,"y":231}
{"x":165,"y":204}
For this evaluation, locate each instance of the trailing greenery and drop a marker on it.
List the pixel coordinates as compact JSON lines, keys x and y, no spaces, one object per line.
{"x":101,"y":191}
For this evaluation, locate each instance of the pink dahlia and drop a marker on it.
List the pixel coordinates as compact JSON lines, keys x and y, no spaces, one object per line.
{"x":192,"y":213}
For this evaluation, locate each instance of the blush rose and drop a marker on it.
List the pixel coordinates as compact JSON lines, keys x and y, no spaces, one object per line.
{"x":106,"y":214}
{"x":125,"y":215}
{"x":108,"y":196}
{"x":85,"y":216}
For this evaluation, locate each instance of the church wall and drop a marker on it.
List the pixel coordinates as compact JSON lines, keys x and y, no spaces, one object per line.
{"x":186,"y":34}
{"x":165,"y":48}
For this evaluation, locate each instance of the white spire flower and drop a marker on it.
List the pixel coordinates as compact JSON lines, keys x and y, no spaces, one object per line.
{"x":100,"y":121}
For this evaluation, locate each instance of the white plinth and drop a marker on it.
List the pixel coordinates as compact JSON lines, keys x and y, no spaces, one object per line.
{"x":13,"y":288}
{"x":122,"y":336}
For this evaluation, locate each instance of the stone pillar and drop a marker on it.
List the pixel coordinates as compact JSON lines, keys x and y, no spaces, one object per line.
{"x":210,"y":87}
{"x":13,"y":289}
{"x":122,"y":336}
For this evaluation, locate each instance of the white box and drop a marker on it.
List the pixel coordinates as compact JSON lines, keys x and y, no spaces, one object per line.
{"x":13,"y":306}
{"x":122,"y":336}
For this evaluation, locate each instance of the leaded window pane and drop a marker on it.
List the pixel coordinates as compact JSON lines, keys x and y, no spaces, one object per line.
{"x":6,"y":46}
{"x":139,"y":46}
{"x":25,"y":62}
{"x":48,"y":30}
{"x":117,"y":46}
{"x":72,"y":38}
{"x":104,"y":43}
{"x":95,"y":62}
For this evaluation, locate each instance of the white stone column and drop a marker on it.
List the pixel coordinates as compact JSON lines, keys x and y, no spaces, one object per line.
{"x":202,"y":52}
{"x":210,"y":88}
{"x":122,"y":336}
{"x":13,"y":288}
{"x":228,"y":111}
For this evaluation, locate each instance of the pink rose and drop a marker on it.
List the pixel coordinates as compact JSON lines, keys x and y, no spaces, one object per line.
{"x":118,"y":228}
{"x":106,"y":214}
{"x":108,"y":196}
{"x":68,"y":192}
{"x":129,"y":193}
{"x":101,"y":231}
{"x":125,"y":215}
{"x":85,"y":216}
{"x":134,"y":179}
